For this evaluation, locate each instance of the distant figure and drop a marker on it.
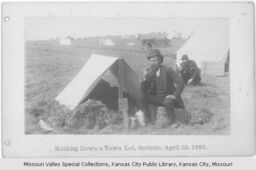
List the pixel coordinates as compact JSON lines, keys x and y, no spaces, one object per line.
{"x":149,"y":45}
{"x":161,"y":86}
{"x":189,"y":71}
{"x":227,"y":63}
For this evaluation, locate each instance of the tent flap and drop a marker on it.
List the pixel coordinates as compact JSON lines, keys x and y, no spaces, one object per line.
{"x":85,"y":80}
{"x":131,"y":79}
{"x":208,"y":44}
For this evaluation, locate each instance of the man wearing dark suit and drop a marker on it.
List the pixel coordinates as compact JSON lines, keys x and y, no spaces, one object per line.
{"x":189,"y":71}
{"x":161,"y":86}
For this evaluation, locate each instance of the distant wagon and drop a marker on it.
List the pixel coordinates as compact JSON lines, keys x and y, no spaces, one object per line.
{"x":154,"y":39}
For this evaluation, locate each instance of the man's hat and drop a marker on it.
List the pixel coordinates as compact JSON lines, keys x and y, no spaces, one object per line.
{"x":185,"y":56}
{"x":155,"y":52}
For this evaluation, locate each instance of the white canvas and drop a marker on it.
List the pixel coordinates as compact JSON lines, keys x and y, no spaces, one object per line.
{"x":207,"y":44}
{"x":65,"y":41}
{"x":131,"y":44}
{"x":85,"y":80}
{"x":106,"y":42}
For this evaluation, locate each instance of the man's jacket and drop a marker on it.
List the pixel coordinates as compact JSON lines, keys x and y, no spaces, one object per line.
{"x":172,"y":80}
{"x":189,"y":69}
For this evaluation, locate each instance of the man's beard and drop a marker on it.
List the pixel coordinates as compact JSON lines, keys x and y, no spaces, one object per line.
{"x":155,"y":68}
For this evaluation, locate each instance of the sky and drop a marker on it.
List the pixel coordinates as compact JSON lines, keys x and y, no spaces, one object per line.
{"x":47,"y":28}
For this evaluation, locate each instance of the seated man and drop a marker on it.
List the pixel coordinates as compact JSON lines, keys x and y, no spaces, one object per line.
{"x":161,"y":86}
{"x":189,"y":71}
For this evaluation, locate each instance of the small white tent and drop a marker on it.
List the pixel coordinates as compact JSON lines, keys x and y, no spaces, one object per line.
{"x":178,"y":35}
{"x":171,"y":35}
{"x":84,"y":82}
{"x":65,"y":41}
{"x":125,"y":36}
{"x":130,"y":44}
{"x":186,"y":34}
{"x":106,"y":42}
{"x":208,"y":47}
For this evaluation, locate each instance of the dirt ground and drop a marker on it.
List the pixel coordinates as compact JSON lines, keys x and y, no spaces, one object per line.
{"x":50,"y":67}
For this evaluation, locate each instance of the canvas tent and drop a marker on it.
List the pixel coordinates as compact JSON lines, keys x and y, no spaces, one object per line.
{"x":88,"y":77}
{"x":125,"y":36}
{"x":106,"y":42}
{"x":171,"y":35}
{"x":130,"y":44}
{"x":209,"y":49}
{"x":177,"y":35}
{"x":186,"y":34}
{"x":65,"y":41}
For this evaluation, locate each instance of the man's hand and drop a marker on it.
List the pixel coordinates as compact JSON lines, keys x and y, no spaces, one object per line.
{"x":170,"y":97}
{"x":190,"y":81}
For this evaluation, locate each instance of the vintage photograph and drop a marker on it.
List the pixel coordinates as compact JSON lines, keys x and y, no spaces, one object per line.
{"x":110,"y":79}
{"x":154,"y":76}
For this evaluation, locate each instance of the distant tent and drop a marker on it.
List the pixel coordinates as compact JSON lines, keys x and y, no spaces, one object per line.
{"x":186,"y":34}
{"x":153,"y":35}
{"x":178,"y":35}
{"x":209,"y":49}
{"x":85,"y":81}
{"x":106,"y":42}
{"x":125,"y":36}
{"x":65,"y":41}
{"x":171,"y":35}
{"x":130,"y":44}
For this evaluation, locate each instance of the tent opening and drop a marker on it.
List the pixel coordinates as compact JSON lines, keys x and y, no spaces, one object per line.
{"x":108,"y":95}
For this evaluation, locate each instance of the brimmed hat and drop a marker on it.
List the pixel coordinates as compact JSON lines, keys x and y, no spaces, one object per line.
{"x":185,"y":56}
{"x":153,"y":53}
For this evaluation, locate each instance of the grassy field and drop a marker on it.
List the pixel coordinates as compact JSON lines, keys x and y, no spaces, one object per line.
{"x":50,"y":67}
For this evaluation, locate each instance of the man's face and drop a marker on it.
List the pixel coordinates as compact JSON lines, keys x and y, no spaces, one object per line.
{"x":155,"y":62}
{"x":184,"y":60}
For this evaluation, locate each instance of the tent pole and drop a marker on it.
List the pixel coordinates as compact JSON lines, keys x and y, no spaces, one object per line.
{"x":121,"y":78}
{"x":123,"y":103}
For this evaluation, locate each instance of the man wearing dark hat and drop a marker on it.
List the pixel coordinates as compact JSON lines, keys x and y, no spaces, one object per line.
{"x":189,"y":71}
{"x":161,"y":86}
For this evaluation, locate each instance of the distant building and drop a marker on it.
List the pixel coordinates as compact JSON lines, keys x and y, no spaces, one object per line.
{"x":153,"y":36}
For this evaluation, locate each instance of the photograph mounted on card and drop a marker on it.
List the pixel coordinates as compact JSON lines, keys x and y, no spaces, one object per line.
{"x":108,"y":79}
